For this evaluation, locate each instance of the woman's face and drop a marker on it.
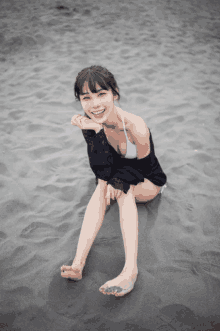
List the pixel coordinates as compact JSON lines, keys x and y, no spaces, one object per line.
{"x":93,"y":103}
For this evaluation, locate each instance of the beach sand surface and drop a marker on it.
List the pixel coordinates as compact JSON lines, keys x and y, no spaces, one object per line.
{"x":165,"y":56}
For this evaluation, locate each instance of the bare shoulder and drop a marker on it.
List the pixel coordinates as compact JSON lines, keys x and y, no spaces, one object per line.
{"x":130,"y":118}
{"x":140,"y":135}
{"x":137,"y":125}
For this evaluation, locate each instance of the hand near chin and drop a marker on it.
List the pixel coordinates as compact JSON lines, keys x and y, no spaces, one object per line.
{"x":85,"y":123}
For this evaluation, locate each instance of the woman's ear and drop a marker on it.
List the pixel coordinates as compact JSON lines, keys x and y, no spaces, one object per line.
{"x":116,"y":96}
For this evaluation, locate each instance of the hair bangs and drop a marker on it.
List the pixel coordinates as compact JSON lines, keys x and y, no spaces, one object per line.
{"x":93,"y":80}
{"x":93,"y":76}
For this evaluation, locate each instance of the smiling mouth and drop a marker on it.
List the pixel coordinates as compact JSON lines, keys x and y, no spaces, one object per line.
{"x":99,"y":113}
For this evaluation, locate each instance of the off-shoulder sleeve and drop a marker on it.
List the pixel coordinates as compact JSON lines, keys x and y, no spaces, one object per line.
{"x":100,"y":157}
{"x":88,"y":134}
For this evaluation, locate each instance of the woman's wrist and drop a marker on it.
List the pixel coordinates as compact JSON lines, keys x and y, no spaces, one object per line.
{"x":98,"y":129}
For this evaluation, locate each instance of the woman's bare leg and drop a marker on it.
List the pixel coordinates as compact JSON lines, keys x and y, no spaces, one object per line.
{"x":124,"y":283}
{"x":92,"y":223}
{"x":146,"y":191}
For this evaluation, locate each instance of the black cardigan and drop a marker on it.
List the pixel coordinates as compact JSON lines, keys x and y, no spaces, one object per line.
{"x":118,"y":171}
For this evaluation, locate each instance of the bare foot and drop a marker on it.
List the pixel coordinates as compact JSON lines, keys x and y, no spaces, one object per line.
{"x":120,"y":285}
{"x":73,"y":272}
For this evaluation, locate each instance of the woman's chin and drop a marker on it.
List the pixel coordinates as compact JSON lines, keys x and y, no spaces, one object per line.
{"x":99,"y":120}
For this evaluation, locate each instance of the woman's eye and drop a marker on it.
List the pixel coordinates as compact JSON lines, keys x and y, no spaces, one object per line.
{"x":100,"y":94}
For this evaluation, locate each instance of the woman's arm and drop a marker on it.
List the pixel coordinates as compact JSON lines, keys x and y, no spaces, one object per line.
{"x":85,"y":123}
{"x":141,"y":136}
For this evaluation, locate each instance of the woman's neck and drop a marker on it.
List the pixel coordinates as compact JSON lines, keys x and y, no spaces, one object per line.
{"x":115,"y":121}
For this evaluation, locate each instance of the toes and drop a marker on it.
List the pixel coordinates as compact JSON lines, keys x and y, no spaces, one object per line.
{"x":104,"y":291}
{"x":64,"y":274}
{"x":109,"y":290}
{"x":66,"y":268}
{"x":102,"y":288}
{"x":113,"y":290}
{"x":71,"y":276}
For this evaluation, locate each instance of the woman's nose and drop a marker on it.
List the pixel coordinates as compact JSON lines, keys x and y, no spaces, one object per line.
{"x":95,"y":104}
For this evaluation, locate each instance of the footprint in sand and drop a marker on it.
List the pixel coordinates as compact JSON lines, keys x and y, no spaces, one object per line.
{"x":210,"y":262}
{"x":33,"y":228}
{"x":3,"y":169}
{"x":3,"y":235}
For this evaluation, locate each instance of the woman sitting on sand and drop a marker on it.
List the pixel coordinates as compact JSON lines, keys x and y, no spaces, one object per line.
{"x":121,"y":155}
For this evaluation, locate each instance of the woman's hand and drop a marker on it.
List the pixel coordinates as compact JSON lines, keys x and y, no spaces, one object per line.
{"x":85,"y":123}
{"x":112,"y":193}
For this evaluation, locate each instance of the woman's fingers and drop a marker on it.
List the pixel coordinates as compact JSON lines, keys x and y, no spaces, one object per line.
{"x":85,"y":123}
{"x":112,"y":193}
{"x":76,"y":120}
{"x":108,"y":195}
{"x":73,"y":120}
{"x":79,"y":120}
{"x":119,"y":194}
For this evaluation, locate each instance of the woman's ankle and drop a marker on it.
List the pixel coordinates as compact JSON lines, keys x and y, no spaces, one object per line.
{"x":79,"y":263}
{"x":130,"y":268}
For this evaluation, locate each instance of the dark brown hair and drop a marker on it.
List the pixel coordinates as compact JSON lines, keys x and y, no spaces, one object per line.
{"x":93,"y":75}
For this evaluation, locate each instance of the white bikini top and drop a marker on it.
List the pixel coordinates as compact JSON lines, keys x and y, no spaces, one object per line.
{"x":131,"y":152}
